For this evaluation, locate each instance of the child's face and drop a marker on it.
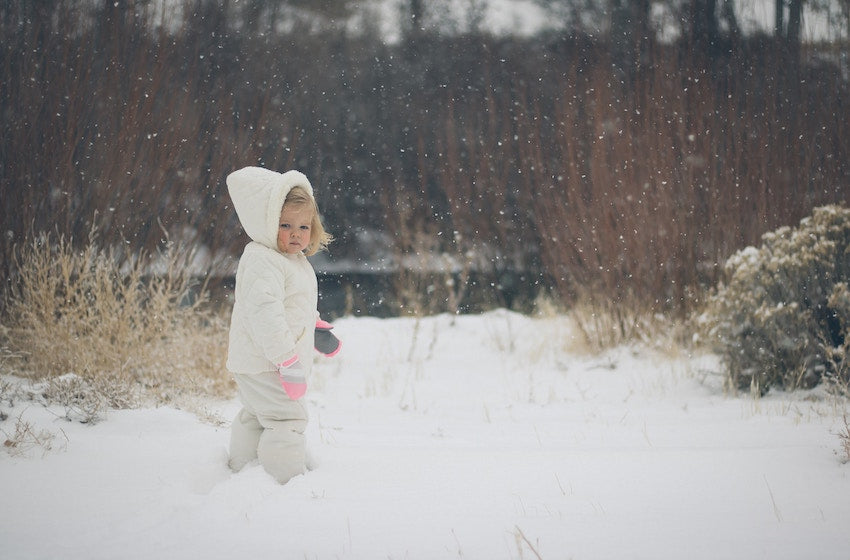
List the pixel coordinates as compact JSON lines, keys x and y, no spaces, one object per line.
{"x":293,"y":236}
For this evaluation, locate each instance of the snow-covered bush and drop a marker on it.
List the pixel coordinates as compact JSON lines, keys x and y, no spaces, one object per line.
{"x":781,"y":316}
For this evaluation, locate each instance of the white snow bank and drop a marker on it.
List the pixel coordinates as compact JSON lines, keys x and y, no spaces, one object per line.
{"x":468,"y":437}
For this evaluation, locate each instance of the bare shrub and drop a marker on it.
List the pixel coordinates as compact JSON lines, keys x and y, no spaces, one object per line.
{"x":627,"y":192}
{"x":25,"y":438}
{"x":110,"y":333}
{"x":533,"y":149}
{"x":81,"y":401}
{"x":9,"y":394}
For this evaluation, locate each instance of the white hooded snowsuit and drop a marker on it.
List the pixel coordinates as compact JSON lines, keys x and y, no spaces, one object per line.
{"x":273,"y":320}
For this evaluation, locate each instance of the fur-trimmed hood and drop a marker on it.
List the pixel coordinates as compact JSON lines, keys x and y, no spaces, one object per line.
{"x":258,"y":195}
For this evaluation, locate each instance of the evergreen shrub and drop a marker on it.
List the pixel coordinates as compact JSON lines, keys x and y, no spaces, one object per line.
{"x":780,"y":316}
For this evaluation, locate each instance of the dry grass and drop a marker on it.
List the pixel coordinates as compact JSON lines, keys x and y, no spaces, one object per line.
{"x":102,"y":332}
{"x":596,"y":325}
{"x":522,"y":542}
{"x":844,"y":436}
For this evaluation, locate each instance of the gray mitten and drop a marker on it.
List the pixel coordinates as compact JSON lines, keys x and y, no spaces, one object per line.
{"x":326,"y":342}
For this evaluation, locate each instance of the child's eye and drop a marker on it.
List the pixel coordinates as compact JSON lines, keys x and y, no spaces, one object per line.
{"x":284,"y":226}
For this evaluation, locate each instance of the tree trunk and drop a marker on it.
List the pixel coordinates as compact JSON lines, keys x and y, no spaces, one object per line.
{"x":779,"y":18}
{"x":630,"y":35}
{"x":703,"y":22}
{"x":792,"y":38}
{"x":795,"y":22}
{"x":731,"y":20}
{"x":417,"y":13}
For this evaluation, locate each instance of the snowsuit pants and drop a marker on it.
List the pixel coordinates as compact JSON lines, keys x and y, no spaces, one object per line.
{"x":270,"y":427}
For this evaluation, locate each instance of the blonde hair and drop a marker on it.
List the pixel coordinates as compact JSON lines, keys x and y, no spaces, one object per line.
{"x":319,"y":238}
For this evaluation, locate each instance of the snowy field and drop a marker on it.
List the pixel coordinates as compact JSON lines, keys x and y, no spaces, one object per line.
{"x":478,"y":437}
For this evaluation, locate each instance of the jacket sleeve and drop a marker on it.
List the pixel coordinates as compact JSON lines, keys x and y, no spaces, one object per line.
{"x":266,"y":316}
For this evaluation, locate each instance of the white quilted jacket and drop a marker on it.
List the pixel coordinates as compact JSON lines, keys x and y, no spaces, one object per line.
{"x":275,"y":302}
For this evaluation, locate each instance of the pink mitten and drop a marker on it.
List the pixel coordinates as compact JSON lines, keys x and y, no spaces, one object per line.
{"x":292,"y":379}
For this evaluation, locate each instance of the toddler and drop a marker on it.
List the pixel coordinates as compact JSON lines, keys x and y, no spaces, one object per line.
{"x":275,"y":324}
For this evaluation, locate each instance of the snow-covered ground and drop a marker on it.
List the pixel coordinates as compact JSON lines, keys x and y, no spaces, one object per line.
{"x":474,"y":437}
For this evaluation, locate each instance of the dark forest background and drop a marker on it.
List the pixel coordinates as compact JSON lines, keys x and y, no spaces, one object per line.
{"x":456,"y":168}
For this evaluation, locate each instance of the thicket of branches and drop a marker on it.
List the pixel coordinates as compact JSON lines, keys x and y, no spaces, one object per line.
{"x":546,"y":157}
